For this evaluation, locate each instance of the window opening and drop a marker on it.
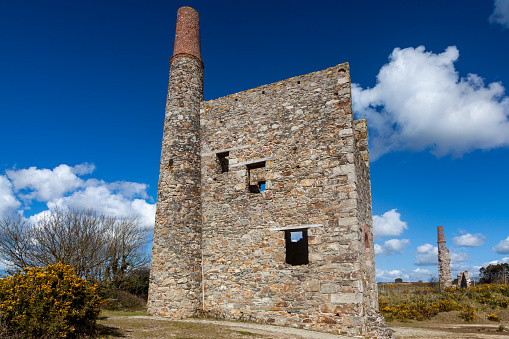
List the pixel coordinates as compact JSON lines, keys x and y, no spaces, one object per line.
{"x":366,"y":236}
{"x":261,"y":184}
{"x":223,"y":161}
{"x":259,"y":187}
{"x":297,"y":247}
{"x":255,"y":178}
{"x":170,"y":166}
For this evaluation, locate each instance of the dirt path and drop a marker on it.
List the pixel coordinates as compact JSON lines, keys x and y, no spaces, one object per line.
{"x":441,"y":331}
{"x":159,"y":327}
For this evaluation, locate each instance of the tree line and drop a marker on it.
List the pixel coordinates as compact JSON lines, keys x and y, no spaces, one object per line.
{"x":102,"y":249}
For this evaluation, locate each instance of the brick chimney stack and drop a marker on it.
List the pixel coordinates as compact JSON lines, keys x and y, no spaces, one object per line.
{"x":441,"y":237}
{"x":187,"y":34}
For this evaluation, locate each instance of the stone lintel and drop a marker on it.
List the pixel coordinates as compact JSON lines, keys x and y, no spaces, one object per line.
{"x":245,"y":163}
{"x":226,"y":150}
{"x":290,"y":228}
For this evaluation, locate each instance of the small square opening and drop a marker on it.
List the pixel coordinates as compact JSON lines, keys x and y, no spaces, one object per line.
{"x":259,"y":187}
{"x":224,"y":163}
{"x":297,"y":252}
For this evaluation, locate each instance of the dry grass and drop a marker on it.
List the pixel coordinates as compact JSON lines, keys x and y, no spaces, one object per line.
{"x":129,"y":327}
{"x":403,"y":302}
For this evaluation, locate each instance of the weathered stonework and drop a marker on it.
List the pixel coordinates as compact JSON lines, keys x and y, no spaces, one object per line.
{"x":444,"y":262}
{"x":463,"y":280}
{"x":238,"y":175}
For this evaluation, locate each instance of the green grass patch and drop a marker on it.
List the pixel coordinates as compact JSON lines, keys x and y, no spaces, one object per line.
{"x":108,"y":313}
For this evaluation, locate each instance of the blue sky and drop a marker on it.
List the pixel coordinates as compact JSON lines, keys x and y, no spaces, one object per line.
{"x":83,"y":88}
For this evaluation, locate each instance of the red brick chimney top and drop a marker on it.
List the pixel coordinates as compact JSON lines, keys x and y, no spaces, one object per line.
{"x":441,"y":237}
{"x":187,"y":34}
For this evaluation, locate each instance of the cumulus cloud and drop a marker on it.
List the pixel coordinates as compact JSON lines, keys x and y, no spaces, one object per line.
{"x":427,"y":255}
{"x":457,"y":260}
{"x":8,"y":202}
{"x":502,"y":247}
{"x":469,"y":240}
{"x":63,"y":187}
{"x":388,"y":225}
{"x":104,"y":200}
{"x":46,"y":184}
{"x":392,"y":246}
{"x":407,"y":275}
{"x":500,"y":13}
{"x":420,"y":102}
{"x":504,"y":260}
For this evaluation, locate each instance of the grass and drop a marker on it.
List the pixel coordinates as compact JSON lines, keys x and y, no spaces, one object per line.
{"x":420,"y":301}
{"x":120,"y":324}
{"x":108,"y":313}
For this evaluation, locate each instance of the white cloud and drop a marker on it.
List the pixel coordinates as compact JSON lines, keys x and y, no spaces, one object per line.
{"x":500,"y":13}
{"x":469,"y":240}
{"x":502,"y":247}
{"x":419,"y":102}
{"x":388,"y":225}
{"x":45,"y":184}
{"x":496,"y":262}
{"x":457,"y":260}
{"x":104,"y":200}
{"x":392,"y":246}
{"x":8,"y":202}
{"x":406,"y":275}
{"x":427,"y":255}
{"x":62,"y":187}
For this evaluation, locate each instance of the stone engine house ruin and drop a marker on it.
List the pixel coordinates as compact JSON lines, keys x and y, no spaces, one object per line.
{"x":264,"y":201}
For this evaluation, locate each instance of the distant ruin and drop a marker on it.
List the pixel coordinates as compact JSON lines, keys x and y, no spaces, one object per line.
{"x":463,"y":280}
{"x":444,"y":262}
{"x":264,"y":202}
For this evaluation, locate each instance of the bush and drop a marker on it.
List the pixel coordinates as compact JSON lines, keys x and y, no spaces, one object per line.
{"x":493,"y":317}
{"x":49,"y":302}
{"x":468,"y":314}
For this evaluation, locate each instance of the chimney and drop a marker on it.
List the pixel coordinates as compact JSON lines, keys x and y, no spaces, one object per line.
{"x":187,"y":34}
{"x":441,"y":237}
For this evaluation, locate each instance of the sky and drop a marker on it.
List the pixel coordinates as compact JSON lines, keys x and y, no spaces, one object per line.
{"x":83,"y":89}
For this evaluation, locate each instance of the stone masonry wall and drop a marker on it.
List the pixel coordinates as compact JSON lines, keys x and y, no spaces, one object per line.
{"x":175,"y":286}
{"x":301,"y":130}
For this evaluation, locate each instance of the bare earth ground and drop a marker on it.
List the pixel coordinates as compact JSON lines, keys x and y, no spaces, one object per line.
{"x":142,"y":326}
{"x":159,"y":327}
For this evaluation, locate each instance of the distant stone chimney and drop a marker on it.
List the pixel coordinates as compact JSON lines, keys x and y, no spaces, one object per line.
{"x":444,"y":262}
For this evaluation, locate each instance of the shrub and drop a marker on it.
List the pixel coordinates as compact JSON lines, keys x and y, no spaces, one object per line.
{"x":468,"y":314}
{"x":49,"y":302}
{"x":493,"y":317}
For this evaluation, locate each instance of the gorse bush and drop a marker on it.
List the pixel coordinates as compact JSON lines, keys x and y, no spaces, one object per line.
{"x":419,"y":302}
{"x":49,"y":302}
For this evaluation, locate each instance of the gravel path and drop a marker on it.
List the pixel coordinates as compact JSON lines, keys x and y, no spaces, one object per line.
{"x":280,"y":331}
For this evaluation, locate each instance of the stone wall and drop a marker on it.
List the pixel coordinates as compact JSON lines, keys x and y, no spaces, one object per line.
{"x":463,"y":280}
{"x":302,"y":130}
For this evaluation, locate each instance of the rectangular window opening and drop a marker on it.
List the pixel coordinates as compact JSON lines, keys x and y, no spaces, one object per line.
{"x":255,"y":177}
{"x":297,"y":252}
{"x":224,"y":163}
{"x":259,"y":187}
